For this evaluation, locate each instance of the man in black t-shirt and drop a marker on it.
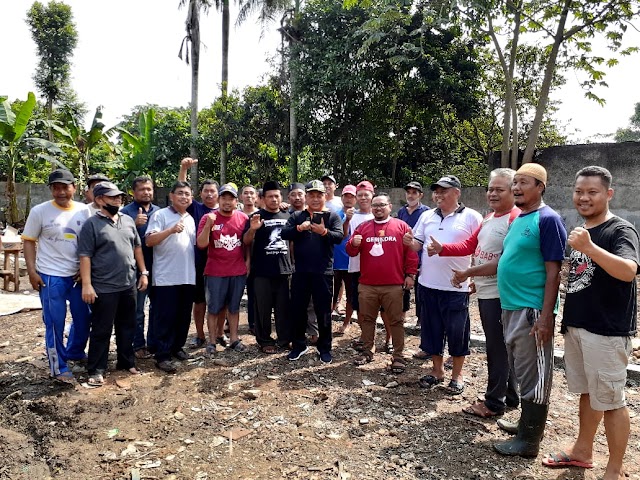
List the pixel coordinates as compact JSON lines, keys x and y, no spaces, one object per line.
{"x":270,"y":269}
{"x":598,"y":322}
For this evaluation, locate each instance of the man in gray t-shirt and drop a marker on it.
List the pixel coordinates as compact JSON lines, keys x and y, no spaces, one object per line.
{"x":109,"y":248}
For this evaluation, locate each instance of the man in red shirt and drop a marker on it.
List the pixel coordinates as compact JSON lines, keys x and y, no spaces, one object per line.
{"x":387,"y":267}
{"x":226,"y":268}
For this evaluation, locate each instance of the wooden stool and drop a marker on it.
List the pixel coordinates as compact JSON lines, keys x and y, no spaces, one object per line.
{"x":9,"y":274}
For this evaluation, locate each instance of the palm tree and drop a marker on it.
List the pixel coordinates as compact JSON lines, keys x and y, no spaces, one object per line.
{"x":191,"y":45}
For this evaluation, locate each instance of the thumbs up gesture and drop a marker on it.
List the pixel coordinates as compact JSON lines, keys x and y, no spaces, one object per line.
{"x":407,"y":238}
{"x":434,"y":247}
{"x":141,"y":218}
{"x":178,"y":227}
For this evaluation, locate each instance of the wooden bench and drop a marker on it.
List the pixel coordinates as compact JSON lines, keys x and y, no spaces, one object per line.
{"x":11,"y":275}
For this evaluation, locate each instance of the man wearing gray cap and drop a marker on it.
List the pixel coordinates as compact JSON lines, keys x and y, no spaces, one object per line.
{"x":109,"y":249}
{"x":53,"y":272}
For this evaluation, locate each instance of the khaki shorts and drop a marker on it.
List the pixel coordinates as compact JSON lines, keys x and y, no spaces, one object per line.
{"x":597,"y":365}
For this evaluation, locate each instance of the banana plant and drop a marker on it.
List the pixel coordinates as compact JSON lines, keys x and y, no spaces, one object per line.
{"x":19,"y":149}
{"x":83,"y":141}
{"x":12,"y":133}
{"x":138,"y":150}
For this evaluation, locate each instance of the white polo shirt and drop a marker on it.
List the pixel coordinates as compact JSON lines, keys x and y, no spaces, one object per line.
{"x":456,"y":227}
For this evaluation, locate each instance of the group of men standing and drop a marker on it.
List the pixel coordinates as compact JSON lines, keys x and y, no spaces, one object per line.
{"x":295,"y":258}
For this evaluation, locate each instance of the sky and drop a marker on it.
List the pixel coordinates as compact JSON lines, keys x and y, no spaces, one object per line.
{"x":127,"y":55}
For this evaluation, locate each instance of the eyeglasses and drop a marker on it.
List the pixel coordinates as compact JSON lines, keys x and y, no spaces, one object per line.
{"x":182,"y":194}
{"x":379,"y":205}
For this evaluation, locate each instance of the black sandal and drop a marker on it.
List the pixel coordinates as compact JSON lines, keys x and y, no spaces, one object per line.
{"x":429,"y":381}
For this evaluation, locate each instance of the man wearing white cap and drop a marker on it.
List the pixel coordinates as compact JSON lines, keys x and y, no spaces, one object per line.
{"x":528,"y":282}
{"x":444,"y":308}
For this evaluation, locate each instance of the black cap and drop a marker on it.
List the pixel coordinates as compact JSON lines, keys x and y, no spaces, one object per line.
{"x":296,"y":186}
{"x":448,"y":181}
{"x":329,"y":177}
{"x":98,"y":177}
{"x":270,"y":185}
{"x":415,"y":185}
{"x":61,"y":176}
{"x":107,"y":189}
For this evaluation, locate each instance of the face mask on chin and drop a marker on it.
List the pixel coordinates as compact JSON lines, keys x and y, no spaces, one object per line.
{"x":412,"y":203}
{"x":111,"y":209}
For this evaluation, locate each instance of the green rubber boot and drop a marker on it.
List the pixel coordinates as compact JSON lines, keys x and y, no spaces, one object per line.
{"x":530,"y":431}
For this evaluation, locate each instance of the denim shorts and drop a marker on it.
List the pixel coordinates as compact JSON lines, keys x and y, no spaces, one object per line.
{"x":224,"y":292}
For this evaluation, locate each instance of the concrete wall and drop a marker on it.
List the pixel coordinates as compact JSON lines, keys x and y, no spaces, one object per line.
{"x":562,"y":163}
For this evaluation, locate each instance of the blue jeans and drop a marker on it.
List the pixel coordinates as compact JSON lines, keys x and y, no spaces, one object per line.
{"x":54,"y":296}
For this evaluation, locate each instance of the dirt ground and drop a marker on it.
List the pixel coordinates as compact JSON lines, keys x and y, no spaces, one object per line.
{"x":263,"y":417}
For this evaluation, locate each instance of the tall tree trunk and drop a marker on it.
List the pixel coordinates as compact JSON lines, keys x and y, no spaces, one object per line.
{"x":508,"y":101}
{"x":225,"y":82}
{"x":515,"y":149}
{"x":293,"y":119}
{"x":293,"y":131}
{"x":546,"y":84}
{"x":50,"y":117}
{"x":195,"y":75}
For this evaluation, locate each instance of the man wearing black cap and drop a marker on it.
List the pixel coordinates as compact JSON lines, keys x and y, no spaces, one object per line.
{"x":89,"y":197}
{"x":314,"y":231}
{"x":109,"y":249}
{"x":271,"y":268}
{"x":296,"y":197}
{"x":53,"y":272}
{"x":332,"y":202}
{"x":444,"y":308}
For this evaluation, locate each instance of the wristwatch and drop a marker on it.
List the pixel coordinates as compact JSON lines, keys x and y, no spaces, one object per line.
{"x":145,"y":273}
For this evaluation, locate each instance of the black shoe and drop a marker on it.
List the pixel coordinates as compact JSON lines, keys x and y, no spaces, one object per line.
{"x":182,"y":355}
{"x":166,"y":366}
{"x":530,"y":432}
{"x":223,"y":341}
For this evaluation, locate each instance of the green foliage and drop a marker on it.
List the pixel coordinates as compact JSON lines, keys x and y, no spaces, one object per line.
{"x":55,"y":35}
{"x":18,"y":150}
{"x":632,"y":132}
{"x":374,"y":90}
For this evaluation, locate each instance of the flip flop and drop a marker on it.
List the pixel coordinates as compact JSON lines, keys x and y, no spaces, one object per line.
{"x":479,"y":409}
{"x":561,"y":459}
{"x":398,"y":367}
{"x":429,"y":381}
{"x":269,"y":349}
{"x":362,"y":360}
{"x":455,"y":387}
{"x":95,"y":380}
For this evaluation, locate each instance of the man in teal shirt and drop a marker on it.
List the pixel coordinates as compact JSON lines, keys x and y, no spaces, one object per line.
{"x":528,"y":282}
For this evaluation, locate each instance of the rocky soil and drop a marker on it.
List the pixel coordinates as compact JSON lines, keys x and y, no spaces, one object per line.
{"x":263,"y":417}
